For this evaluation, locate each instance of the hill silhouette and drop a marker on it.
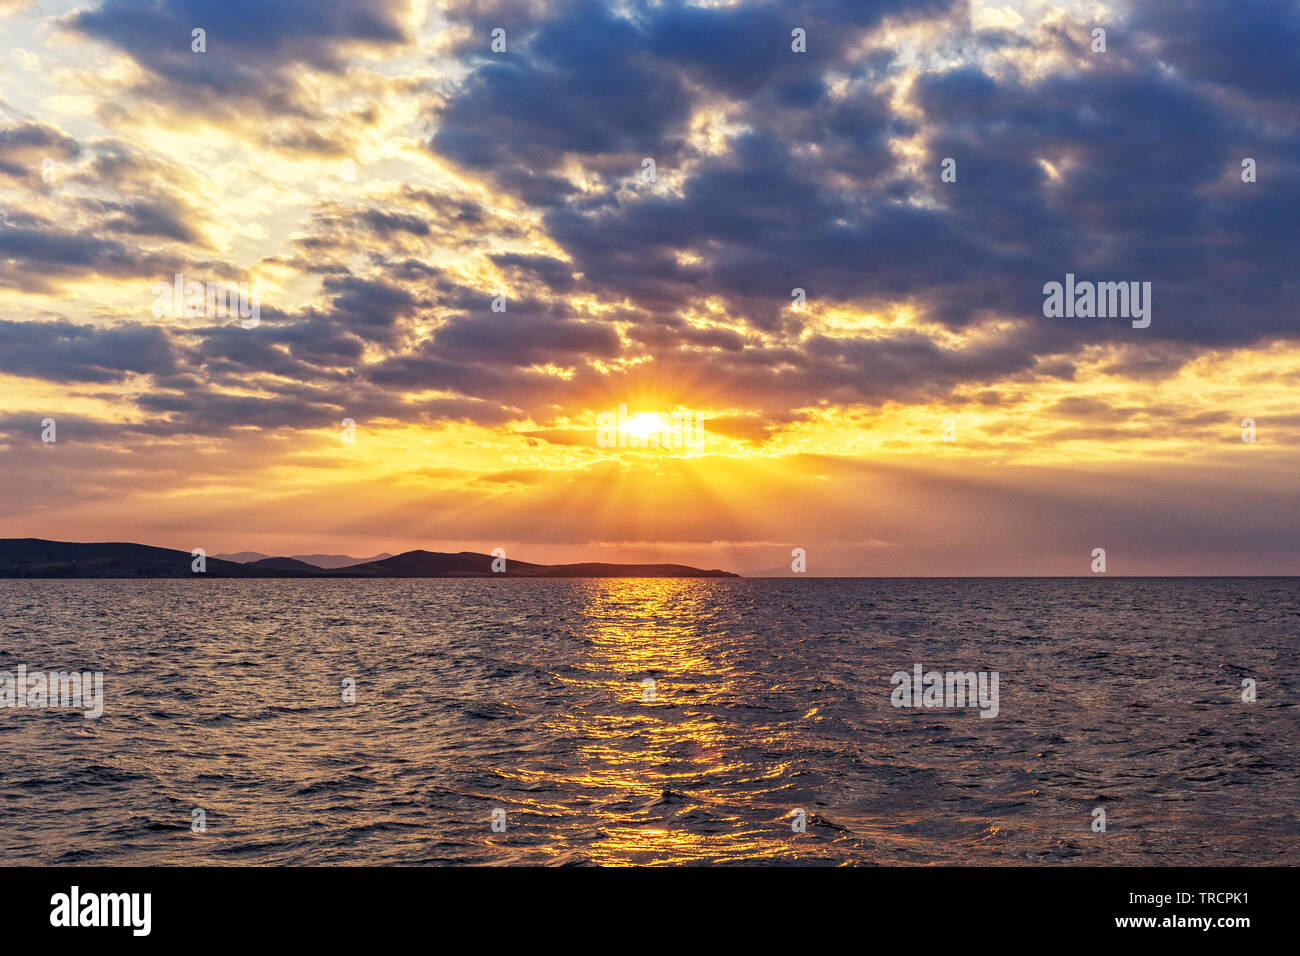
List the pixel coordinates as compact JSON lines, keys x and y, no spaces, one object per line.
{"x":39,"y":558}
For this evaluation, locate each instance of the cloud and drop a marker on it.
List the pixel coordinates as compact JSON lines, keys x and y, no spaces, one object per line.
{"x":24,"y":146}
{"x":263,"y":68}
{"x":1251,"y":52}
{"x":34,"y":252}
{"x":63,"y":352}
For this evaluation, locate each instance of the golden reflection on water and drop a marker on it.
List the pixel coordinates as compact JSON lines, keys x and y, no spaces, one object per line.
{"x":655,"y":768}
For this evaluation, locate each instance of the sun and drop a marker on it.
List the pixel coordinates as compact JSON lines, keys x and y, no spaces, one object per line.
{"x":643,"y":425}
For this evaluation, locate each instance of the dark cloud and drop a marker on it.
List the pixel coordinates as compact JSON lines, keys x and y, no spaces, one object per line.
{"x":1108,"y":166}
{"x":524,"y":338}
{"x":25,"y":145}
{"x":738,"y":50}
{"x":370,"y":308}
{"x":582,"y":82}
{"x":256,"y":53}
{"x":143,"y":218}
{"x":1250,"y":49}
{"x":34,"y":253}
{"x":554,"y":274}
{"x":64,"y":352}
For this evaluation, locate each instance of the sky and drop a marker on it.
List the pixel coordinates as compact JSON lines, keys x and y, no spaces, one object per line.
{"x":466,"y":258}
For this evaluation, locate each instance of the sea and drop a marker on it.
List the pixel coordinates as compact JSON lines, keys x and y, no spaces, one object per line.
{"x":653,"y":721}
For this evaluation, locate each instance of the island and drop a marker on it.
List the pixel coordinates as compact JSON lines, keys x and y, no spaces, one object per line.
{"x":39,"y":558}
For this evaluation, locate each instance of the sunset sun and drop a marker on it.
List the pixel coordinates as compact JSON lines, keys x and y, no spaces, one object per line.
{"x":644,"y":425}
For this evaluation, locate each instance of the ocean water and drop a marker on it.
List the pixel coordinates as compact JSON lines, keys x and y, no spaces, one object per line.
{"x":525,"y":703}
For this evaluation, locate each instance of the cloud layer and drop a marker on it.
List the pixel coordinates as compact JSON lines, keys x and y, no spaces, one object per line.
{"x":462,"y":250}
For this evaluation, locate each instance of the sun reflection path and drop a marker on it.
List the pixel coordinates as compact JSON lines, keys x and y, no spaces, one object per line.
{"x":667,"y":773}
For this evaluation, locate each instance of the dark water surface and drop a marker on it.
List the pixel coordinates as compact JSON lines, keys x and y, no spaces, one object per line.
{"x":770,"y":696}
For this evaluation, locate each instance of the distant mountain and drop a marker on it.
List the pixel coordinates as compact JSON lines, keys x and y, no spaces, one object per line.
{"x":315,"y":560}
{"x":282,"y":564}
{"x":469,"y":564}
{"x":338,"y":560}
{"x":38,"y":558}
{"x":243,"y":557}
